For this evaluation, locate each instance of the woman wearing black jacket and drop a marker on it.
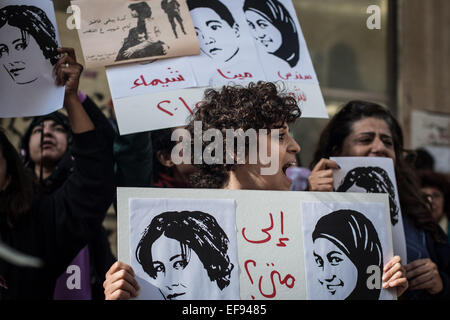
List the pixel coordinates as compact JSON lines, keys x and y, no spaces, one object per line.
{"x":54,"y":227}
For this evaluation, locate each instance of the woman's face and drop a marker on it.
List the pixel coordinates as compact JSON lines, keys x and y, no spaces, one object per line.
{"x":370,"y":137}
{"x":264,"y":32}
{"x":336,"y":273}
{"x":436,"y":198}
{"x":18,"y":56}
{"x":249,"y":175}
{"x":4,"y":178}
{"x":54,"y":143}
{"x":176,"y":277}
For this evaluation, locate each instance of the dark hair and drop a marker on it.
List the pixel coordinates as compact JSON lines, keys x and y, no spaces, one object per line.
{"x":32,"y":20}
{"x":18,"y":197}
{"x":258,"y":106}
{"x":421,"y":159}
{"x":195,"y":230}
{"x":274,"y":12}
{"x":221,"y":10}
{"x":162,"y":141}
{"x":356,"y":236}
{"x":144,"y":12}
{"x":331,"y":140}
{"x":142,"y":8}
{"x":373,"y":180}
{"x":56,"y":116}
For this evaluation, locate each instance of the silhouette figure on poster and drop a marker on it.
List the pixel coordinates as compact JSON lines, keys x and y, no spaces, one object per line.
{"x":25,"y":32}
{"x":273,"y":29}
{"x":373,"y":180}
{"x":345,"y":245}
{"x":216,"y":29}
{"x":139,"y":43}
{"x":172,"y":9}
{"x":181,"y":249}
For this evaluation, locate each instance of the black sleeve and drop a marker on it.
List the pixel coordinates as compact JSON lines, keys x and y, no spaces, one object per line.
{"x":75,"y":211}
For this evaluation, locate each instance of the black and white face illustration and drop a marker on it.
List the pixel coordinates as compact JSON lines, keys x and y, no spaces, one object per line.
{"x":372,"y":180}
{"x":184,"y":251}
{"x":21,"y":55}
{"x":336,"y":273}
{"x":273,"y":29}
{"x":174,"y":265}
{"x":264,"y":32}
{"x":343,"y":246}
{"x":216,"y":30}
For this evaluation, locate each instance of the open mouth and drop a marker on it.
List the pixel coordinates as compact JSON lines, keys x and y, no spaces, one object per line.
{"x":288,"y":165}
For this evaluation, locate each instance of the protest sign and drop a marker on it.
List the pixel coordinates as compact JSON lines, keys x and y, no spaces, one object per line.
{"x":28,"y":52}
{"x":116,"y":31}
{"x":373,"y":175}
{"x":269,"y":231}
{"x":233,"y":52}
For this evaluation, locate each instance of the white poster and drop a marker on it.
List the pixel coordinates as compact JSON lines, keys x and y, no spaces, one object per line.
{"x":28,"y":51}
{"x":428,"y":128}
{"x":373,"y":175}
{"x":268,"y":228}
{"x":240,"y":42}
{"x":346,"y":247}
{"x":183,"y":249}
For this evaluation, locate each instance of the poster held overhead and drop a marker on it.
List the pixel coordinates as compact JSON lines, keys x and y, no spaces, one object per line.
{"x":117,"y":32}
{"x":230,"y":54}
{"x":28,"y":51}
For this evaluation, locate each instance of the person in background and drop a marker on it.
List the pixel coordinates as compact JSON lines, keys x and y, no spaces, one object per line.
{"x":436,"y":188}
{"x":144,"y":160}
{"x":54,"y":226}
{"x":46,"y":150}
{"x":367,"y":129}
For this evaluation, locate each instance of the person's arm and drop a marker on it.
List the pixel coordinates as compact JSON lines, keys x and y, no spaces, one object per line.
{"x":73,"y":212}
{"x":120,"y":282}
{"x":68,"y":72}
{"x":321,"y":177}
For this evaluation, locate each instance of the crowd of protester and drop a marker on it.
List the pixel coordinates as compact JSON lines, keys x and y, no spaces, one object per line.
{"x":55,"y":193}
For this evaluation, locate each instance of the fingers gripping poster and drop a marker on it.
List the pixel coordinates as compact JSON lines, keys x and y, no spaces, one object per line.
{"x":373,"y":175}
{"x":28,"y":51}
{"x":263,"y":248}
{"x":240,"y":42}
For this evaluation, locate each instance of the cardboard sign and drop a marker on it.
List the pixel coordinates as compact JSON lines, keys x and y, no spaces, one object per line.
{"x":116,"y":31}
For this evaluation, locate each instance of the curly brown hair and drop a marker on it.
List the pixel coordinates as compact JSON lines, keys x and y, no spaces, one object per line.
{"x":260,"y":105}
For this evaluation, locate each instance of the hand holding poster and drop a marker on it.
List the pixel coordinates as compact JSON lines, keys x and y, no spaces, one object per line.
{"x":116,"y":31}
{"x":269,"y":230}
{"x":28,"y":52}
{"x":373,"y":175}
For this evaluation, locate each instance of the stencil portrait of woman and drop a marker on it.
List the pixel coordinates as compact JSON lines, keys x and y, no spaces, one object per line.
{"x":273,"y":29}
{"x":24,"y":32}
